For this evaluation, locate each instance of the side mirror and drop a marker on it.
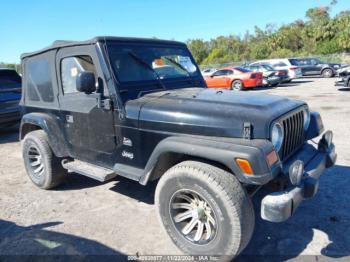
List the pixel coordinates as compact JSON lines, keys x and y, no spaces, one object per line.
{"x":86,"y":82}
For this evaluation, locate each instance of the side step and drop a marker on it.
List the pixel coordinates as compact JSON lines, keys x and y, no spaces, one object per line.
{"x":130,"y":172}
{"x":95,"y":172}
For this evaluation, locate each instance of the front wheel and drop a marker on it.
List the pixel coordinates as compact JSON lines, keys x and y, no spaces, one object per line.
{"x":204,"y":209}
{"x":237,"y":85}
{"x":41,"y":164}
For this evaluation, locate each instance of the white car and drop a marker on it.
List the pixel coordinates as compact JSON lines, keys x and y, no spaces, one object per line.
{"x":294,"y":71}
{"x":208,"y":71}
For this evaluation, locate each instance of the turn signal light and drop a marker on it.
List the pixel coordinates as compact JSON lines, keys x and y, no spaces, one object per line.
{"x":245,"y":166}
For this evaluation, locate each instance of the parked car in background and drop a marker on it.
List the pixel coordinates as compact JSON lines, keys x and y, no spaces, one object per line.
{"x":208,"y":71}
{"x":344,"y":76}
{"x":290,"y":65}
{"x":314,"y":66}
{"x":343,"y":71}
{"x":271,"y":76}
{"x":237,"y":78}
{"x":10,"y":95}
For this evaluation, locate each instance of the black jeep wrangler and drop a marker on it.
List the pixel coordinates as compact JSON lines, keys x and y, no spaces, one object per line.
{"x":139,"y":108}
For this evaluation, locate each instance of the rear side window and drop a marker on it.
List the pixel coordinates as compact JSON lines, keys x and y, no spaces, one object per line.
{"x":220,"y":73}
{"x":38,"y":75}
{"x":9,"y":78}
{"x":277,"y":64}
{"x":71,"y":67}
{"x":294,"y":62}
{"x":243,"y":70}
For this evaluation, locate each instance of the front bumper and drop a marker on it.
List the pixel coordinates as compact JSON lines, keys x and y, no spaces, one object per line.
{"x":279,"y":206}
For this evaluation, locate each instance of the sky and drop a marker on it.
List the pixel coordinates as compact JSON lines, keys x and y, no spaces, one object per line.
{"x":30,"y":25}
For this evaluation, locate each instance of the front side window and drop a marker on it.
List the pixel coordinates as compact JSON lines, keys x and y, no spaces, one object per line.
{"x":71,"y":67}
{"x":220,"y":73}
{"x":146,"y":62}
{"x":315,"y":61}
{"x":267,"y":67}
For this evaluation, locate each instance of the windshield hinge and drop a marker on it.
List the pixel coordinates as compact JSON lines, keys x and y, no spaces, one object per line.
{"x":105,"y":104}
{"x":247,"y":130}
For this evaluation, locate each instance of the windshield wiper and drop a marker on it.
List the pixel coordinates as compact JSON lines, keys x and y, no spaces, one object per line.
{"x":181,"y":67}
{"x":146,"y":65}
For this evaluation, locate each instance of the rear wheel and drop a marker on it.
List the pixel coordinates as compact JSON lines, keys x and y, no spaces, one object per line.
{"x":237,"y":85}
{"x":42,"y":166}
{"x":327,"y":73}
{"x":204,"y":209}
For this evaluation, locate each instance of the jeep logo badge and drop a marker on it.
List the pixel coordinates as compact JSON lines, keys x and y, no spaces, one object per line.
{"x":128,"y":155}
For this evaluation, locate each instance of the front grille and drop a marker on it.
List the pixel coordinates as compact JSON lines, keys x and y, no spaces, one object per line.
{"x":294,"y":135}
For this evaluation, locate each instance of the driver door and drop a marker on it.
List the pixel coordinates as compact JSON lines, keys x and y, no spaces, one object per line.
{"x":88,"y":127}
{"x":218,"y":79}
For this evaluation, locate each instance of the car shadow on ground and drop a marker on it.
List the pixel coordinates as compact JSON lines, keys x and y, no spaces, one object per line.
{"x":291,"y":84}
{"x":295,"y":83}
{"x":345,"y":89}
{"x":327,"y":215}
{"x":76,"y":181}
{"x":9,"y":135}
{"x":135,"y":190}
{"x":20,"y":243}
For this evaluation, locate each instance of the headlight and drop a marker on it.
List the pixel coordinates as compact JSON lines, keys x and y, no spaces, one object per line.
{"x":277,"y":136}
{"x":306,"y":118}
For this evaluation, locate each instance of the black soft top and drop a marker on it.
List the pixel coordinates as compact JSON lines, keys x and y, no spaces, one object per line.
{"x":64,"y":43}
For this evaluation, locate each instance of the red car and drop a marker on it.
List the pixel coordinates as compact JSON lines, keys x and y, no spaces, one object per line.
{"x":237,"y":78}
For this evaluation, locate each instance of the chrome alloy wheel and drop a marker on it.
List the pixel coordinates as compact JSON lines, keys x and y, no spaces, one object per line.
{"x":35,"y":162}
{"x":237,"y":86}
{"x":193,"y":217}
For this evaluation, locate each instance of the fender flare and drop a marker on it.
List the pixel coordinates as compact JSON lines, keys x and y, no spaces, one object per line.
{"x":50,"y":125}
{"x":219,"y":150}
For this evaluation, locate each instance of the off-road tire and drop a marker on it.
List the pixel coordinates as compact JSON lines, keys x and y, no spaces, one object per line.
{"x":223,"y":192}
{"x":237,"y":85}
{"x":327,"y":73}
{"x":53,"y":173}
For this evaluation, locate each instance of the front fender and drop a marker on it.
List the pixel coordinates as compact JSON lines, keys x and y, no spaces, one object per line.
{"x":50,"y":124}
{"x":220,"y":150}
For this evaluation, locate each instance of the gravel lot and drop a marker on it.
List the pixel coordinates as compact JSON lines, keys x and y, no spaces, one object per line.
{"x":85,"y":217}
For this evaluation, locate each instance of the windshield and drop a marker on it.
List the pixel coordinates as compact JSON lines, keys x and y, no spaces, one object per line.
{"x":268,"y":67}
{"x":140,"y":63}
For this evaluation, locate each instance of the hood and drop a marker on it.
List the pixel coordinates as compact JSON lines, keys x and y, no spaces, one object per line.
{"x":209,"y":112}
{"x":334,"y":65}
